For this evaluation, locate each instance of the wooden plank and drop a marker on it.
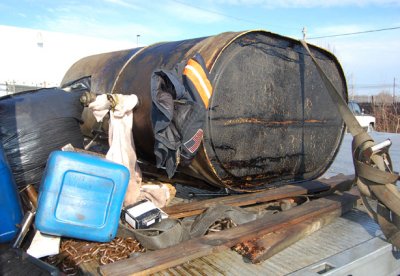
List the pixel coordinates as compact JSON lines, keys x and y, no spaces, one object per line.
{"x":155,"y":261}
{"x":262,"y":248}
{"x":308,"y":187}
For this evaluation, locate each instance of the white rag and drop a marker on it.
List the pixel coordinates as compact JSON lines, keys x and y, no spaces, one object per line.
{"x":120,"y":138}
{"x":122,"y":147}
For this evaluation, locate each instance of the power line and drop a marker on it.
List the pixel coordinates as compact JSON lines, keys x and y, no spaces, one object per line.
{"x":255,"y":22}
{"x":355,"y":33}
{"x":372,"y":85}
{"x":229,"y":16}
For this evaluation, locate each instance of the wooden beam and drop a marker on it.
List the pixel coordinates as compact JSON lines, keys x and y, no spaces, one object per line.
{"x":262,"y":248}
{"x":155,"y":261}
{"x":309,"y":187}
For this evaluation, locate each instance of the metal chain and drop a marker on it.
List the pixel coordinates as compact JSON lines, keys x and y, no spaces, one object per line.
{"x":103,"y":253}
{"x":220,"y":225}
{"x":74,"y":252}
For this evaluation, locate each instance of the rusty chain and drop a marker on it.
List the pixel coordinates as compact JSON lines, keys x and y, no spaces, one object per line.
{"x":74,"y":252}
{"x":221,"y":224}
{"x":103,"y":253}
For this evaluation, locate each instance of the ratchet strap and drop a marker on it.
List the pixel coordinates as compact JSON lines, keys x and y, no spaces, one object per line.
{"x":373,"y":168}
{"x":169,"y":232}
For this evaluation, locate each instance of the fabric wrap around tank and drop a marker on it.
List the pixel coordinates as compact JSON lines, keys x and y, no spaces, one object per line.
{"x":270,"y":118}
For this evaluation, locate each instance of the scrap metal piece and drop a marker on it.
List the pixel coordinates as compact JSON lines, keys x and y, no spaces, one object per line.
{"x":25,"y":225}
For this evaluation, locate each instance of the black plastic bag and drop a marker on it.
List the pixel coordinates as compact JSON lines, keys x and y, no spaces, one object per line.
{"x":17,"y":262}
{"x":33,"y":124}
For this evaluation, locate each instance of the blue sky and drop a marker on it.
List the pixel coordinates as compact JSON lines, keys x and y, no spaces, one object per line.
{"x":368,"y":59}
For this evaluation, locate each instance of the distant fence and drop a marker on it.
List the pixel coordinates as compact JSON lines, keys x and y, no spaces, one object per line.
{"x":7,"y":88}
{"x":387,"y":115}
{"x":386,"y":109}
{"x":376,"y":99}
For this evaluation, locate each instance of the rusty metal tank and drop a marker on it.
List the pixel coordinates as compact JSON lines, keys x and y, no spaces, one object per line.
{"x":270,"y":118}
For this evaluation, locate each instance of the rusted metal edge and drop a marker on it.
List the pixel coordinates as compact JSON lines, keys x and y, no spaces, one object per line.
{"x":125,"y":65}
{"x":238,"y":121}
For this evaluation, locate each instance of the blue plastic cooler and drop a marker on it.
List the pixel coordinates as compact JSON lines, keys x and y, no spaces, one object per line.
{"x":10,"y":205}
{"x":81,"y":196}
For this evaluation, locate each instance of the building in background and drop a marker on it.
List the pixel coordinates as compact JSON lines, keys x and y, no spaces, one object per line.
{"x":32,"y":58}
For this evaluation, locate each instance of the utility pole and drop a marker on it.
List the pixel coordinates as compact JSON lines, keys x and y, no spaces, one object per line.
{"x":137,"y":40}
{"x":394,"y":97}
{"x":304,"y":31}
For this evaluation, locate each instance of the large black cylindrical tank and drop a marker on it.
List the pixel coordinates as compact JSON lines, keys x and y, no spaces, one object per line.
{"x":270,"y":118}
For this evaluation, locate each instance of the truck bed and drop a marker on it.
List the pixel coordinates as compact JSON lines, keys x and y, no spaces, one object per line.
{"x":309,"y":256}
{"x":351,"y":245}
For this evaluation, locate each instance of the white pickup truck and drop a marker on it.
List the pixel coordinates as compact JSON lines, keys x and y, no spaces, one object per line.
{"x":366,"y":121}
